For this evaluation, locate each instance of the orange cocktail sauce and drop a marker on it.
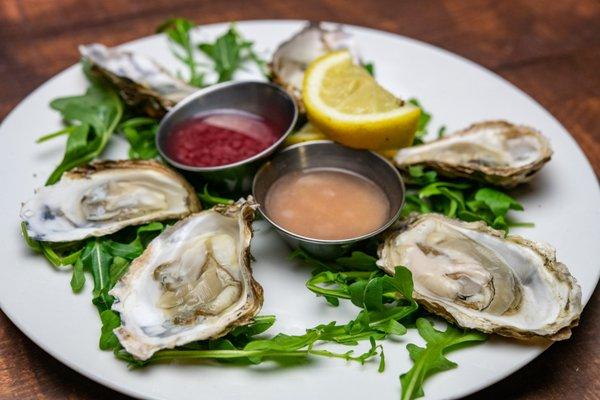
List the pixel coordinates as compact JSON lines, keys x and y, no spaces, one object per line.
{"x":327,"y":204}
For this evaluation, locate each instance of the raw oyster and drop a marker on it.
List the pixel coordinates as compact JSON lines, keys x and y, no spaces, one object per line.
{"x":193,"y":282}
{"x":141,"y":81}
{"x":497,"y":152}
{"x":474,"y":276}
{"x":292,"y":57}
{"x":106,"y":196}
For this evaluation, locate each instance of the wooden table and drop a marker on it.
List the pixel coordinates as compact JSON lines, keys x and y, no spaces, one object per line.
{"x":550,"y":49}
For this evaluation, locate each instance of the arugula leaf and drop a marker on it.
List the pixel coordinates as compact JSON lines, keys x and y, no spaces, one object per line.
{"x":259,"y":324}
{"x":358,"y":261}
{"x":418,"y":175}
{"x":133,"y":249}
{"x":499,"y":203}
{"x":458,"y":198}
{"x":98,"y":261}
{"x":431,"y":359}
{"x":59,"y":254}
{"x":91,"y":119}
{"x":244,"y":349}
{"x":424,"y":120}
{"x":208,"y":200}
{"x":370,"y":67}
{"x":110,"y":321}
{"x":384,"y":300}
{"x":117,"y":269}
{"x":229,"y":52}
{"x":140,"y":132}
{"x":78,"y":277}
{"x":441,"y":131}
{"x":180,"y":41}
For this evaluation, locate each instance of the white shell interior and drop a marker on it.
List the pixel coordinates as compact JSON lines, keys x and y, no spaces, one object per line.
{"x":139,"y":69}
{"x":487,"y":144}
{"x":511,"y":288}
{"x":103,"y":202}
{"x":147,"y":327}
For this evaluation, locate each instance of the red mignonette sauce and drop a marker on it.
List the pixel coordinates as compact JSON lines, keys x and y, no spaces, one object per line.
{"x":221,"y":137}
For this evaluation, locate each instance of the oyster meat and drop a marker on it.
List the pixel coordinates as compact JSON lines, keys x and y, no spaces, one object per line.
{"x":106,"y":196}
{"x":496,"y":152}
{"x":292,"y":57}
{"x":141,"y":81}
{"x":193,"y":282}
{"x":474,"y":276}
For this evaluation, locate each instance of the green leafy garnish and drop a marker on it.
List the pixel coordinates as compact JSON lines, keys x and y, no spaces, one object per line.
{"x":208,"y":200}
{"x":384,"y":300}
{"x":370,"y":67}
{"x":458,"y":198}
{"x":110,"y":321}
{"x":424,"y":119}
{"x":140,"y":132}
{"x":431,"y":359}
{"x":243,"y":348}
{"x":180,"y":41}
{"x":230,"y":52}
{"x":91,"y":120}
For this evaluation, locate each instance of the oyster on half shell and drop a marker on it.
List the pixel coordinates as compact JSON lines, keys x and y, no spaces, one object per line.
{"x":474,"y":276}
{"x":106,"y":196}
{"x":193,"y":282}
{"x":141,"y":81}
{"x":496,"y":152}
{"x":292,"y":57}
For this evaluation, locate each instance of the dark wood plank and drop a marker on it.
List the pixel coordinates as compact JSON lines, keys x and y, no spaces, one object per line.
{"x":550,"y":49}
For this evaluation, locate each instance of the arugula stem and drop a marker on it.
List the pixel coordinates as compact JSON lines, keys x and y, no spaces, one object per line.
{"x":327,"y":292}
{"x":49,"y":136}
{"x":235,"y":354}
{"x":418,"y":367}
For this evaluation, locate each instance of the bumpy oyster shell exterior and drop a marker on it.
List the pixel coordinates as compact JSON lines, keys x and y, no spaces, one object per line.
{"x":105,"y":196}
{"x":141,"y":82}
{"x":495,"y":152}
{"x":542,"y":298}
{"x":149,"y":324}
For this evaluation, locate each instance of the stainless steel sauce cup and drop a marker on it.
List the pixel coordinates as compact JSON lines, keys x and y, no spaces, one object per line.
{"x":260,"y":98}
{"x":328,"y":155}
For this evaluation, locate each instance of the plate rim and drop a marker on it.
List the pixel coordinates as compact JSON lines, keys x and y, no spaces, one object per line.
{"x":490,"y":75}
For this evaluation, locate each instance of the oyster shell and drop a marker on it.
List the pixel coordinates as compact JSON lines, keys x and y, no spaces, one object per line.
{"x":106,"y":196}
{"x":473,"y":276}
{"x":141,"y":81}
{"x":292,"y":57}
{"x":193,"y":282}
{"x":497,"y":152}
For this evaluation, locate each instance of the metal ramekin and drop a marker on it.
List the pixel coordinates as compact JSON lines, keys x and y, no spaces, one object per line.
{"x":328,"y":155}
{"x":260,"y":98}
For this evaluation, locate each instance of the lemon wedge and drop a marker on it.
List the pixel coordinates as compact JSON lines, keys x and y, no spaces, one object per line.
{"x":307,"y":133}
{"x":344,"y":102}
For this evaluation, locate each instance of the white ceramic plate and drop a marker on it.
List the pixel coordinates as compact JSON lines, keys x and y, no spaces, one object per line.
{"x":563,"y":201}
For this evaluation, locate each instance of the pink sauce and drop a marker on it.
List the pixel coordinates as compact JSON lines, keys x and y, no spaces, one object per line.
{"x":221,"y":137}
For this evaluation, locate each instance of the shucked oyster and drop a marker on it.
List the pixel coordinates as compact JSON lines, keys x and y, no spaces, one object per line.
{"x":193,"y":282}
{"x":141,"y":81}
{"x":497,"y":152}
{"x":475,"y":277}
{"x":106,"y":196}
{"x":292,"y":57}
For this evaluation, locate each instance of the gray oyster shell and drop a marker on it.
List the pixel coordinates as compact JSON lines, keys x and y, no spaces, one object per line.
{"x":105,"y":196}
{"x":141,"y":81}
{"x":193,"y":282}
{"x":293,"y":56}
{"x":495,"y":152}
{"x":475,"y":277}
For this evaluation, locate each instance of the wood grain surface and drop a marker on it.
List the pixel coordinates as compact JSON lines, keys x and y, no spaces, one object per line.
{"x":550,"y":49}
